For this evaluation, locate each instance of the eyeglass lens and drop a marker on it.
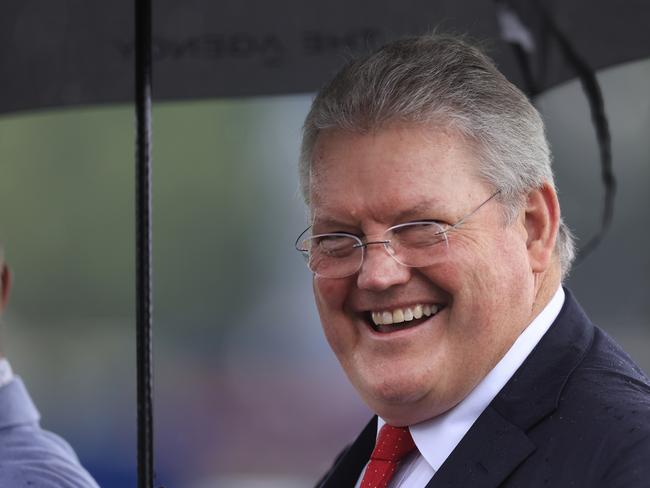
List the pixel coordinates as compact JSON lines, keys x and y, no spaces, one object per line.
{"x":414,"y":244}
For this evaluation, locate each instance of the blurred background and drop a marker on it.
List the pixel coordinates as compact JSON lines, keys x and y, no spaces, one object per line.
{"x":247,"y":392}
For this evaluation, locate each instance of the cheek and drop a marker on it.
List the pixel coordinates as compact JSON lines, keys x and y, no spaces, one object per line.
{"x":330,"y":298}
{"x":496,"y":288}
{"x":510,"y":268}
{"x":498,"y":260}
{"x":330,"y":294}
{"x":483,"y":279}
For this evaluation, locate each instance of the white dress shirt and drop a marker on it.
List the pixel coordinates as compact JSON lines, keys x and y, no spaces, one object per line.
{"x":438,"y":437}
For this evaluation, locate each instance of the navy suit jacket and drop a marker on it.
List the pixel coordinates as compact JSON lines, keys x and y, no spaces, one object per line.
{"x":575,"y":414}
{"x":30,"y":456}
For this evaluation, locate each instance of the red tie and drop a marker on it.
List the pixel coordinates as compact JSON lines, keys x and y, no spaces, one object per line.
{"x":392,"y":445}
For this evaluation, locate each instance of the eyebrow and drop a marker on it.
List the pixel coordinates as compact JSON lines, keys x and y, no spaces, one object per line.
{"x":426,"y":210}
{"x":422,"y":208}
{"x":331,"y":222}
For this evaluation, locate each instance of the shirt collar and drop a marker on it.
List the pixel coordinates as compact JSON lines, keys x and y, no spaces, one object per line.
{"x":438,"y":437}
{"x":16,"y":406}
{"x":6,"y":373}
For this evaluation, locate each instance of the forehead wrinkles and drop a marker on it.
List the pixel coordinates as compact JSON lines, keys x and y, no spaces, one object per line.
{"x":315,"y":171}
{"x":333,"y":200}
{"x":327,"y":170}
{"x":406,"y":153}
{"x":339,"y":152}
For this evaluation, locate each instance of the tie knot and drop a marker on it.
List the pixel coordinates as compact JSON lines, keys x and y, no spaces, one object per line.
{"x":393,"y":443}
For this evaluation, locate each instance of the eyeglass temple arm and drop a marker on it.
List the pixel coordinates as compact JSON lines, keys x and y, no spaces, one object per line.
{"x":296,"y":244}
{"x":475,"y":210}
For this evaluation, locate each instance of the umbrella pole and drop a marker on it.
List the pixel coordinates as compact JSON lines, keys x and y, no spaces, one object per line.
{"x":143,"y":241}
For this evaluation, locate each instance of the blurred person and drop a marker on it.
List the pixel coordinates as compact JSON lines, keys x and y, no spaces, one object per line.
{"x":438,"y":253}
{"x":30,"y":456}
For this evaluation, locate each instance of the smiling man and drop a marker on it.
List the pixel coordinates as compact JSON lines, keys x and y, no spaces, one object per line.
{"x":438,"y":252}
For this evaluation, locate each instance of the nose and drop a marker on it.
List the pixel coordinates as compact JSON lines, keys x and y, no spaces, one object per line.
{"x":379,"y":271}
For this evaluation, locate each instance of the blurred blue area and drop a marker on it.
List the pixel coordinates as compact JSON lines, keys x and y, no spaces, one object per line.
{"x":110,"y":476}
{"x":247,"y":392}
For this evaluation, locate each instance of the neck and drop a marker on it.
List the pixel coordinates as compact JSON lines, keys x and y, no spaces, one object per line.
{"x":546,"y":284}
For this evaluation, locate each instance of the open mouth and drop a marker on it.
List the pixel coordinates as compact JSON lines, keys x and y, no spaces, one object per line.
{"x":402,"y":318}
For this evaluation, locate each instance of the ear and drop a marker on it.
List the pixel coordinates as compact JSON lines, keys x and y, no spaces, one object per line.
{"x":5,"y":286}
{"x":541,"y":220}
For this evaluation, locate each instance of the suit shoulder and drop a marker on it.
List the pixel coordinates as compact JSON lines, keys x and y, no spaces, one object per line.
{"x":605,"y":406}
{"x":31,"y":456}
{"x":608,"y":376}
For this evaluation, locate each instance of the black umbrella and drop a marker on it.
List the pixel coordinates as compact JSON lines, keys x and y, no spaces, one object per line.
{"x":78,"y":52}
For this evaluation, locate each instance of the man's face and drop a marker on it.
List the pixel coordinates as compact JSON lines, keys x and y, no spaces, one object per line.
{"x":482,"y":285}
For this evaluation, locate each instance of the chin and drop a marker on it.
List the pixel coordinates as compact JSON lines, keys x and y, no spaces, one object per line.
{"x":407,"y":399}
{"x":406,"y":413}
{"x":395,"y":395}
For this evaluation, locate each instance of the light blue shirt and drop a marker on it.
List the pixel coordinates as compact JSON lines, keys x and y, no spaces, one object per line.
{"x":30,"y":456}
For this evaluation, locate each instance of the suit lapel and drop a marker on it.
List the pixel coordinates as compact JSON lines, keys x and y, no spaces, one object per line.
{"x":488,"y":453}
{"x":498,"y":441}
{"x":348,"y":466}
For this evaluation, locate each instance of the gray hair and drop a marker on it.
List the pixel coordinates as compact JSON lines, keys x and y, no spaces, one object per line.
{"x":446,"y":81}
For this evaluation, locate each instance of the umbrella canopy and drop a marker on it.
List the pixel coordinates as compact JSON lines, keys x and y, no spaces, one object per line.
{"x":82,"y":52}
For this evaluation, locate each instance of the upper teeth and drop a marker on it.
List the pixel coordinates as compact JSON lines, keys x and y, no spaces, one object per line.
{"x":403,"y":314}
